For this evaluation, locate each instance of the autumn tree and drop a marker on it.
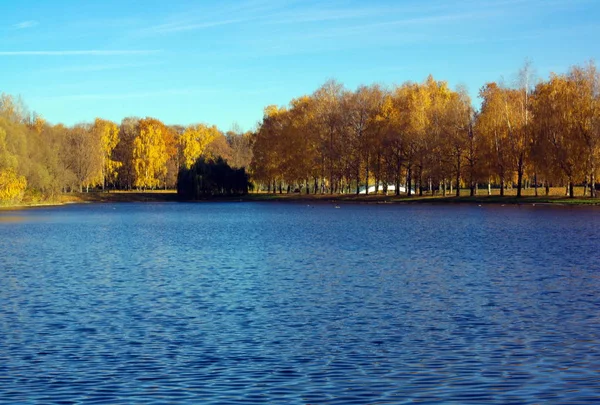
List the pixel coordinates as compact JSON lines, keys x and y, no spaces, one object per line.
{"x":218,"y":148}
{"x":396,"y":138}
{"x":194,"y":140}
{"x":241,"y":148}
{"x":330,"y":121}
{"x":364,"y":106}
{"x":150,"y":153}
{"x":377,"y":126}
{"x":557,"y":129}
{"x":491,"y":125}
{"x":457,"y":123}
{"x":265,"y":160}
{"x":123,"y":152}
{"x":38,"y":123}
{"x":13,"y":108}
{"x":12,"y":185}
{"x":86,"y":156}
{"x":585,"y":106}
{"x":108,"y":134}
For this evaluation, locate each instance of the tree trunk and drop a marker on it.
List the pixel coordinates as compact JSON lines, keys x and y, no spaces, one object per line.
{"x":378,"y":173}
{"x":367,"y":176}
{"x":592,"y":184}
{"x":458,"y":175}
{"x":502,"y":188}
{"x":489,"y":187}
{"x":535,"y":185}
{"x":547,"y":188}
{"x":408,"y":181}
{"x":571,"y":189}
{"x":519,"y":176}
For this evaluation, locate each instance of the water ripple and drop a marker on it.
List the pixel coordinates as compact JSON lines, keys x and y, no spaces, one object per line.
{"x":274,"y":303}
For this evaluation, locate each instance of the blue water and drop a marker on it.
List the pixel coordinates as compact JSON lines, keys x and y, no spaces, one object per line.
{"x":242,"y":303}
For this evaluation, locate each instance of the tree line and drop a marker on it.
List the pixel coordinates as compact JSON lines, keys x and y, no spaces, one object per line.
{"x":45,"y":160}
{"x":429,"y":137}
{"x":424,"y":136}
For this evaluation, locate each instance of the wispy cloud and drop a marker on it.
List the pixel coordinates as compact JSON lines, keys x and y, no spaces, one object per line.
{"x":132,"y":95}
{"x":25,"y":24}
{"x":323,"y":14}
{"x":188,"y":26}
{"x":195,"y":91}
{"x":417,"y":22}
{"x":97,"y":68}
{"x":208,"y":16}
{"x":391,"y":31}
{"x":92,"y":52}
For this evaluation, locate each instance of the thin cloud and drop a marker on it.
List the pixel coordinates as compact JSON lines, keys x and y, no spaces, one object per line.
{"x":405,"y":22}
{"x":188,"y":26}
{"x":133,"y":95}
{"x":97,"y":68}
{"x":25,"y":24}
{"x":207,"y":16}
{"x":195,"y":91}
{"x":92,"y":52}
{"x":318,"y":14}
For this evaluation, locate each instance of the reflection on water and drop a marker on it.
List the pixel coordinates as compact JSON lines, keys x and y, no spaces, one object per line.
{"x":11,"y":218}
{"x":284,"y":303}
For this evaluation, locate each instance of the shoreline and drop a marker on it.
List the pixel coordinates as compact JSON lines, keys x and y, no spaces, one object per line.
{"x":171,"y":196}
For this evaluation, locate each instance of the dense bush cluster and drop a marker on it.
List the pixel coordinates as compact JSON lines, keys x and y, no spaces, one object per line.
{"x":210,"y":177}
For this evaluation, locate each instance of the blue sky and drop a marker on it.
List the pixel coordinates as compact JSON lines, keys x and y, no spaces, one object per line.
{"x":223,"y":62}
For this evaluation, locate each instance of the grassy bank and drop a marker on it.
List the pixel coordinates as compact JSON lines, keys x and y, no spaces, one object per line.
{"x":556,"y":197}
{"x":94,"y":197}
{"x":382,"y":199}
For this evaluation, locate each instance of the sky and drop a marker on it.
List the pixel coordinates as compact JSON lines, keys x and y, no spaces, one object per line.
{"x":222,"y":62}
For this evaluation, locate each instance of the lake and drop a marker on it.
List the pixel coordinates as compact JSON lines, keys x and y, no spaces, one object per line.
{"x":243,"y":303}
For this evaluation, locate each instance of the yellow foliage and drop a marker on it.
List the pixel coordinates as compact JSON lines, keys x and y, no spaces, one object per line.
{"x":195,"y":140}
{"x":108,"y":132}
{"x":150,"y":153}
{"x":38,"y":124}
{"x":12,"y":186}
